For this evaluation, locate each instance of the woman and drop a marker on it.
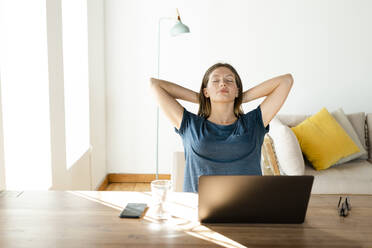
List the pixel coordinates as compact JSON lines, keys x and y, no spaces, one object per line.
{"x":221,"y":139}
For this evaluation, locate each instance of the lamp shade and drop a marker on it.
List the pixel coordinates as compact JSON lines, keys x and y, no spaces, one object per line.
{"x":179,"y":28}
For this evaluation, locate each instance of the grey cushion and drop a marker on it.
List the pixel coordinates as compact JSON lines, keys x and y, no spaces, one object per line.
{"x":369,"y":130}
{"x":292,"y":120}
{"x":341,"y":118}
{"x":358,"y":122}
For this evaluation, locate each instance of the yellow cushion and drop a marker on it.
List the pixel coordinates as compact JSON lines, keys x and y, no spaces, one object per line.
{"x":323,"y":140}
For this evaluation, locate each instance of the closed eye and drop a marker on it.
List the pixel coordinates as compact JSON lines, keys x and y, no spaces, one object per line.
{"x":216,"y":81}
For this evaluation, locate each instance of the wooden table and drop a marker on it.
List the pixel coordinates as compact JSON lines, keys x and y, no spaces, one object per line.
{"x":90,"y":219}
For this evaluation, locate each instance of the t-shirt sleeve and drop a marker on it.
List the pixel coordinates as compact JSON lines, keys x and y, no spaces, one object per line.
{"x":260,"y":123}
{"x":185,"y":122}
{"x":254,"y":118}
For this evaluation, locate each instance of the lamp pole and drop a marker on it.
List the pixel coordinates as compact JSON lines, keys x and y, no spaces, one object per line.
{"x":157,"y":108}
{"x":178,"y":28}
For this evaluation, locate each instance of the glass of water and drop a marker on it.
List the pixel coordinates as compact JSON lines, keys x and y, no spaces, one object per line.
{"x":160,"y":190}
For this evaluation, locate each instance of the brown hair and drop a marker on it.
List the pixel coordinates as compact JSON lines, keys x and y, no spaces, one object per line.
{"x":205,"y":107}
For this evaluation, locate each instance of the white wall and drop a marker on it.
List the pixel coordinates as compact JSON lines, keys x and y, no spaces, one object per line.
{"x":97,"y":90}
{"x":324,"y":44}
{"x":2,"y":162}
{"x":56,"y":93}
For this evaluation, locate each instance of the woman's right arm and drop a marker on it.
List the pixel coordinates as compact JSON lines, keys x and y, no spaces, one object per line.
{"x":167,"y":93}
{"x":276,"y":91}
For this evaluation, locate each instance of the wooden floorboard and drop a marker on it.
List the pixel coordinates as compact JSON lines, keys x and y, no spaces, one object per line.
{"x":142,"y":187}
{"x":130,"y":182}
{"x":128,"y":187}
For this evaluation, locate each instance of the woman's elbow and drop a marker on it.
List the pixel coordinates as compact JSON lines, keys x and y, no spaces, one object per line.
{"x":288,"y":80}
{"x":153,"y":82}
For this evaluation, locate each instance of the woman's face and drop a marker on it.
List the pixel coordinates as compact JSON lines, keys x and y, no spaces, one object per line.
{"x":221,"y":86}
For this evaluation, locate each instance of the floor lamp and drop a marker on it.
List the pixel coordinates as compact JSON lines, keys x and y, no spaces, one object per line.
{"x":178,"y":28}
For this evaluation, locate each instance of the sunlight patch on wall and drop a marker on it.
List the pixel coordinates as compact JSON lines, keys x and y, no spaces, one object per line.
{"x":76,"y":87}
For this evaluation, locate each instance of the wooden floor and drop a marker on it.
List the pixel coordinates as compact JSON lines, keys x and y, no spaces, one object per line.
{"x":128,"y":187}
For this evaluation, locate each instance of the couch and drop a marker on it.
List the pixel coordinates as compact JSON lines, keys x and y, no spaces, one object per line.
{"x":353,"y":177}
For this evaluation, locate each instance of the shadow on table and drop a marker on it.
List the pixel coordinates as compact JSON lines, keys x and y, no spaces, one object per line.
{"x":280,"y":235}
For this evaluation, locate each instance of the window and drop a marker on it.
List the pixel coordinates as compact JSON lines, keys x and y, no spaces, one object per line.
{"x":25,"y":94}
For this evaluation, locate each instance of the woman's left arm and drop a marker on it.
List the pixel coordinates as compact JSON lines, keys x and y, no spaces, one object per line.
{"x":276,"y":91}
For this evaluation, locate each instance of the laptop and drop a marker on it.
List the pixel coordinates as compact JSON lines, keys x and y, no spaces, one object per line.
{"x":253,"y":199}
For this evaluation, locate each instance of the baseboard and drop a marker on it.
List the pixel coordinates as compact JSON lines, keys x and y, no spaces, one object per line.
{"x":130,"y":178}
{"x":104,"y":184}
{"x":135,"y":178}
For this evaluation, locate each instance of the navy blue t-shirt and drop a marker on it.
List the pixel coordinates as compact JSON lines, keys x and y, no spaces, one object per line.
{"x":212,"y":149}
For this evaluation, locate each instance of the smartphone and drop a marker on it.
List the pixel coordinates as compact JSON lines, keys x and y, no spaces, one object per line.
{"x":133,"y":210}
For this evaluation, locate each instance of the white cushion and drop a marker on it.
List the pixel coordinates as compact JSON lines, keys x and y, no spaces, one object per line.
{"x":287,"y":149}
{"x":342,"y":119}
{"x":178,"y":171}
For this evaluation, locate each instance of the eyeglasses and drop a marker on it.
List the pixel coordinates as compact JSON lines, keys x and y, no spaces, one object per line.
{"x":344,"y":207}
